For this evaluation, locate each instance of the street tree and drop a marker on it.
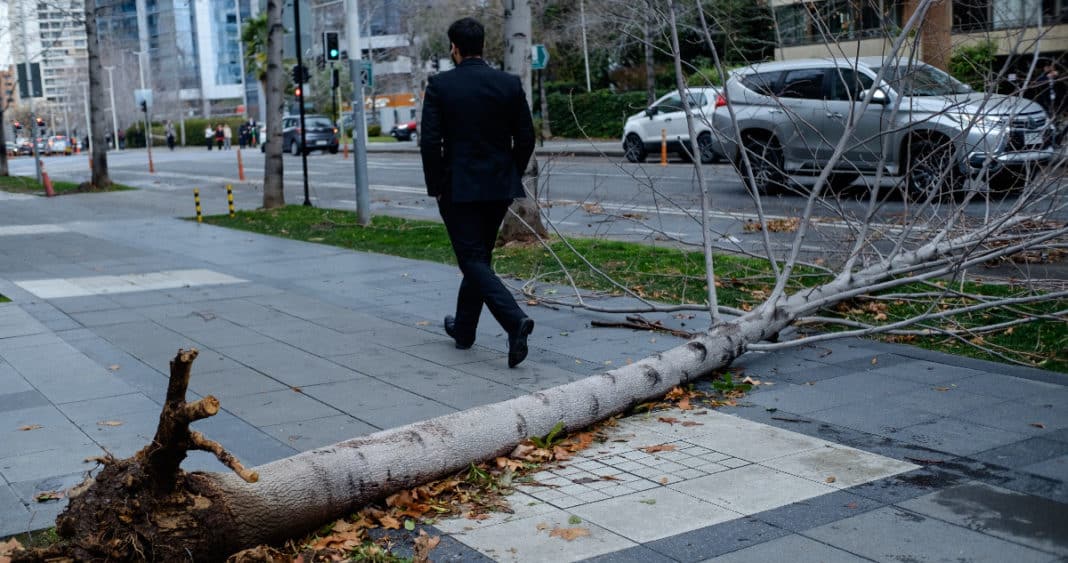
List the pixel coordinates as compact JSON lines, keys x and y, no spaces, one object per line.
{"x":274,"y":75}
{"x":908,"y":276}
{"x":100,"y":178}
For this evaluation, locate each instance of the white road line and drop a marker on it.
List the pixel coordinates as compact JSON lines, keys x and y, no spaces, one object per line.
{"x":32,"y":229}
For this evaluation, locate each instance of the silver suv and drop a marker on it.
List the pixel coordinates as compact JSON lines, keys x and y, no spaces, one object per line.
{"x":921,"y":124}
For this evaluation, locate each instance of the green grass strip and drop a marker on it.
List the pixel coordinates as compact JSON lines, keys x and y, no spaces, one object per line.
{"x":28,"y":185}
{"x":664,"y":274}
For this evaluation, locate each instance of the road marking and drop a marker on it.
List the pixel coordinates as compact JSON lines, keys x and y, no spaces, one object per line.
{"x":32,"y":229}
{"x":651,"y":231}
{"x":103,"y":285}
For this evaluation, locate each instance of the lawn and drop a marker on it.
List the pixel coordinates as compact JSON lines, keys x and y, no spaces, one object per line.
{"x":668,"y":275}
{"x":28,"y":185}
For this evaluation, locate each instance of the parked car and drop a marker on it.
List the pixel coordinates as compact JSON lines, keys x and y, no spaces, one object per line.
{"x":321,"y":134}
{"x":921,"y":124}
{"x":59,"y":144}
{"x":11,"y":148}
{"x":25,"y":148}
{"x":643,"y":133}
{"x":405,"y":131}
{"x":41,"y":145}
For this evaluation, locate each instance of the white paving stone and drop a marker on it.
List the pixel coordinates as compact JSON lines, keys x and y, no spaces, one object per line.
{"x":653,"y":514}
{"x":103,"y":285}
{"x":839,"y":466}
{"x":12,"y":230}
{"x":528,"y":540}
{"x":752,"y":489}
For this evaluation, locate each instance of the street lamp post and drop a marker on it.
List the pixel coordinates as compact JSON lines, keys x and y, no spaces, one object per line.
{"x":359,"y":141}
{"x":114,"y":117}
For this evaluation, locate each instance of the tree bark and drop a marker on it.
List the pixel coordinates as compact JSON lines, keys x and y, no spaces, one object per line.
{"x":546,"y":129}
{"x":524,"y":223}
{"x":273,"y":188}
{"x":3,"y":142}
{"x":650,"y":68}
{"x":100,"y":178}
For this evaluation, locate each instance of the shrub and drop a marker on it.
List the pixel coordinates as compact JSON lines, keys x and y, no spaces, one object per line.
{"x":374,"y":130}
{"x":600,"y":113}
{"x":974,"y":64}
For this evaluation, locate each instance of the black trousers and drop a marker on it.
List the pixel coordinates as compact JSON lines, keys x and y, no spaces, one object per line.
{"x":472,"y":228}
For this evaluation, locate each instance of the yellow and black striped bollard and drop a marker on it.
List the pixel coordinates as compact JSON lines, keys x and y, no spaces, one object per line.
{"x":196,"y":199}
{"x":230,"y":199}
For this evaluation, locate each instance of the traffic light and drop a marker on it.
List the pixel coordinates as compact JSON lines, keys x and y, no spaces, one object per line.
{"x":330,"y":46}
{"x":16,"y":125}
{"x":144,"y":106}
{"x":300,"y":74}
{"x":296,"y":91}
{"x":40,"y":123}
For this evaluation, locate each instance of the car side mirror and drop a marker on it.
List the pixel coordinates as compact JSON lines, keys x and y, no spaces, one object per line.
{"x":650,"y":112}
{"x":878,"y":96}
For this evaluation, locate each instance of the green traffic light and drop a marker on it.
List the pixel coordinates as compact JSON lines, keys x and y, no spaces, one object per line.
{"x":333,"y":53}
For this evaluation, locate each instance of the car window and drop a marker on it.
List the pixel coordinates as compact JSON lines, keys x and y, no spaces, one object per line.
{"x":805,"y":83}
{"x":765,"y":83}
{"x":922,"y":80}
{"x":317,"y":122}
{"x":847,"y":84}
{"x":672,"y":104}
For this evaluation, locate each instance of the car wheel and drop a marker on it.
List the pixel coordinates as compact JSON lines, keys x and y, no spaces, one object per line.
{"x":634,"y":148}
{"x":704,"y":146}
{"x":766,"y":159}
{"x":294,"y":148}
{"x":931,"y":172}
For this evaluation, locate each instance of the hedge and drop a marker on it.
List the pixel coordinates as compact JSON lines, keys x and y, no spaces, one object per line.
{"x":194,"y":131}
{"x":598,"y":114}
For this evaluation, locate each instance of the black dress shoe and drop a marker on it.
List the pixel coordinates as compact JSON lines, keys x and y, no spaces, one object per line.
{"x":517,"y":343}
{"x":450,"y":329}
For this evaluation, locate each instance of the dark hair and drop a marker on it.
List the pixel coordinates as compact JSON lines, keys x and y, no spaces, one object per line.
{"x":468,"y":35}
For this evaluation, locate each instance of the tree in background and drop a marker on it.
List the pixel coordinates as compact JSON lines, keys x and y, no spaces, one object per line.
{"x":273,"y":188}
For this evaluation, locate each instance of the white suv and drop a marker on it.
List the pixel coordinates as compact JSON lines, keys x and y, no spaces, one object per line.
{"x":643,"y":132}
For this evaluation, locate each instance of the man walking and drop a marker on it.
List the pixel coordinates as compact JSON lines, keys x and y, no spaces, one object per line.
{"x":477,"y":139}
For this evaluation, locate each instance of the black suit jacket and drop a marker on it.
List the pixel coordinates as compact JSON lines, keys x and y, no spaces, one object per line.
{"x":477,"y":134}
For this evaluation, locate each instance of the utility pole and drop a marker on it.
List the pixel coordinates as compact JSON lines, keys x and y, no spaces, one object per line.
{"x":585,"y":50}
{"x":88,"y":121}
{"x":359,"y":141}
{"x":114,"y":117}
{"x":29,"y":84}
{"x":300,"y":102}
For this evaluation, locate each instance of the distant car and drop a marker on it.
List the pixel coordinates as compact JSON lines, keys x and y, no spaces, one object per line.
{"x":59,"y":144}
{"x":644,"y":132}
{"x":320,"y":135}
{"x":405,"y":131}
{"x":24,"y":146}
{"x":41,"y":145}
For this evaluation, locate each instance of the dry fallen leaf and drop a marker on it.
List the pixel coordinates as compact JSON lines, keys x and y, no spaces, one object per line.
{"x":114,"y":367}
{"x":109,"y":423}
{"x":831,"y":479}
{"x":1038,"y":425}
{"x":569,"y":534}
{"x":45,"y":496}
{"x":668,"y":420}
{"x":9,"y":547}
{"x":388,"y":522}
{"x":30,"y":427}
{"x":690,"y":423}
{"x":851,"y":506}
{"x":941,"y":388}
{"x":874,"y":361}
{"x":751,"y":381}
{"x":424,"y":544}
{"x":658,"y":448}
{"x":684,"y":404}
{"x":663,"y":480}
{"x":422,"y":323}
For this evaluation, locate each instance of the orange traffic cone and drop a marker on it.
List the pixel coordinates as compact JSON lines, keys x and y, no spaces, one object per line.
{"x":47,"y":182}
{"x":240,"y":167}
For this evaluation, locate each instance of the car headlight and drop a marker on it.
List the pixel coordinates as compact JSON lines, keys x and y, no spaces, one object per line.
{"x":980,"y":121}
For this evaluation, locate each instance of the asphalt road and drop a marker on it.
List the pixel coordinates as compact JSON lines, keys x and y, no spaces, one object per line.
{"x":588,"y":196}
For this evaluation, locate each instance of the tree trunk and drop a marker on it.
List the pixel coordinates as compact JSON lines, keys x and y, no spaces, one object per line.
{"x":100,"y":178}
{"x":650,"y":68}
{"x":273,"y":188}
{"x":517,"y":30}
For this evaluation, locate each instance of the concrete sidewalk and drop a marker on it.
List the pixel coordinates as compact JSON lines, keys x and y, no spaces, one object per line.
{"x":856,"y":451}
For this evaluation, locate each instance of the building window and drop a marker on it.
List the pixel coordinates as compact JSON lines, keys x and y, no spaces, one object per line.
{"x":835,"y":20}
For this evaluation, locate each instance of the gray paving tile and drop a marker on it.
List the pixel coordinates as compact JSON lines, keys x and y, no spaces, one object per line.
{"x":865,"y":363}
{"x":277,"y":407}
{"x":653,"y":514}
{"x":1052,"y":489}
{"x":309,"y":434}
{"x":47,"y":429}
{"x":789,"y":549}
{"x":941,"y":400}
{"x":60,"y":461}
{"x":1024,"y":453}
{"x":445,"y":353}
{"x":233,"y":382}
{"x":897,"y":488}
{"x":1024,"y":519}
{"x":71,"y":305}
{"x":251,"y":445}
{"x":1054,"y":468}
{"x":878,"y":535}
{"x":289,"y":365}
{"x":716,"y":540}
{"x":529,"y":375}
{"x":21,"y":400}
{"x":1005,"y":387}
{"x":875,"y":416}
{"x":14,"y":516}
{"x":959,"y":437}
{"x":928,"y":373}
{"x":104,"y":318}
{"x":1036,"y":415}
{"x":377,"y":403}
{"x":816,"y":511}
{"x":308,"y":336}
{"x":636,"y":554}
{"x":86,"y":413}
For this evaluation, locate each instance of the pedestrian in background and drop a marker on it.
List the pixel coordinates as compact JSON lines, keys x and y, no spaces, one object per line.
{"x":122,"y":140}
{"x":209,"y":136}
{"x":219,"y":136}
{"x":242,"y":135}
{"x":169,"y":130}
{"x":478,"y":137}
{"x":228,"y":134}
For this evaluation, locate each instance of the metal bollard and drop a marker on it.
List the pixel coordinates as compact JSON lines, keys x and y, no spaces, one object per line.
{"x":230,"y":198}
{"x":240,"y":166}
{"x":196,"y":199}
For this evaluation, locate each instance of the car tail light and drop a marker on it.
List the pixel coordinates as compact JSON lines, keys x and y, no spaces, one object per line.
{"x":720,"y":101}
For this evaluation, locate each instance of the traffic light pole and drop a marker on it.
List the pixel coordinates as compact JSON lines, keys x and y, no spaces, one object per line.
{"x":300,"y":102}
{"x":359,"y":141}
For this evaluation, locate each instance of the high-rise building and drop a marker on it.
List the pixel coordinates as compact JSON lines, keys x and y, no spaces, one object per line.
{"x":47,"y":34}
